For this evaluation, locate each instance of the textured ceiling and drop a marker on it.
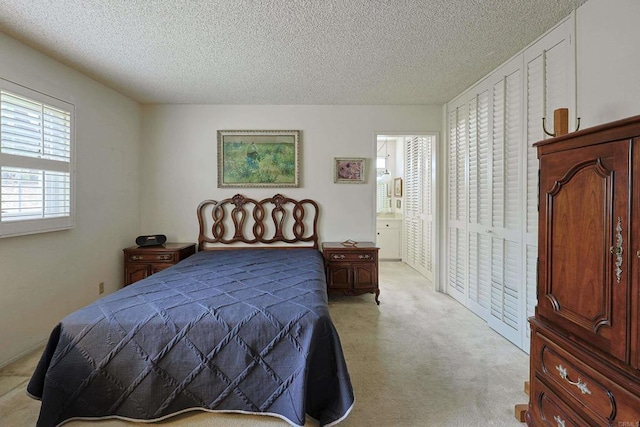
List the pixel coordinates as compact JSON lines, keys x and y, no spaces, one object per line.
{"x":283,"y":51}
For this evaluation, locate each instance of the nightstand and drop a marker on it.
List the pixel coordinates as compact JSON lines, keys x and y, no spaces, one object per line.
{"x":141,"y":262}
{"x":351,"y":270}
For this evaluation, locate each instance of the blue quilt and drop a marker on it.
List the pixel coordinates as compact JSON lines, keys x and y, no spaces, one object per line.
{"x":230,"y":330}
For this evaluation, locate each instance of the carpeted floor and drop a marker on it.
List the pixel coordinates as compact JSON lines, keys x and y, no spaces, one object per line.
{"x":418,"y":359}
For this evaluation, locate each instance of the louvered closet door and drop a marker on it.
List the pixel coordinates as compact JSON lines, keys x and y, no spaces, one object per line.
{"x":479,"y":218}
{"x":506,"y":213}
{"x":418,"y":204}
{"x":457,"y":233}
{"x":412,"y":196}
{"x":550,"y":84}
{"x":428,"y":220}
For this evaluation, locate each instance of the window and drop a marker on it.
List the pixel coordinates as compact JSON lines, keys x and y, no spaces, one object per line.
{"x":36,"y":162}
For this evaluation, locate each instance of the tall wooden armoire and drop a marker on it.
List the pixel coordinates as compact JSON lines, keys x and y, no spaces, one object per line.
{"x":585,"y":337}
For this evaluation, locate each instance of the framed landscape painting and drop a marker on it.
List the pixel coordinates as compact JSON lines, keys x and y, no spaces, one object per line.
{"x":258,"y":158}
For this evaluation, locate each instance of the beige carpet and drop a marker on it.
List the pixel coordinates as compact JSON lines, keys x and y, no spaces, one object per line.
{"x":418,"y":359}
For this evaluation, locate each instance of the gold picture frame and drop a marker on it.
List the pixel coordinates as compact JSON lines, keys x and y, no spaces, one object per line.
{"x":397,"y":187}
{"x":349,"y":170}
{"x":258,"y":158}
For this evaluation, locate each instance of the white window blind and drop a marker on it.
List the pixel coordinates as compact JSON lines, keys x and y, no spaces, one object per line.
{"x":36,"y":158}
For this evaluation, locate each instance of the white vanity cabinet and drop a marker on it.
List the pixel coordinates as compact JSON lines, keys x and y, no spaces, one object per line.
{"x":389,"y":238}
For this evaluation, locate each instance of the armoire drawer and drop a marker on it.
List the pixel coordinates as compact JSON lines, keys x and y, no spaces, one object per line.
{"x":552,"y":409}
{"x":585,"y":385}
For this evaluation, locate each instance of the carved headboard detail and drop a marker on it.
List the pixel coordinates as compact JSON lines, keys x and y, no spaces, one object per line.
{"x":241,"y":220}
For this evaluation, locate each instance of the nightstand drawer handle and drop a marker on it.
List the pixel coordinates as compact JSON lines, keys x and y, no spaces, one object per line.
{"x":336,"y":256}
{"x":582,"y":386}
{"x":364,"y":256}
{"x":163,"y":257}
{"x":135,"y":258}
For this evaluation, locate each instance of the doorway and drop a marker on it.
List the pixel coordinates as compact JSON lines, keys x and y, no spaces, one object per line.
{"x":405,"y":199}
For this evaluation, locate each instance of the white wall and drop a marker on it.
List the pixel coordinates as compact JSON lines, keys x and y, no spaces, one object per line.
{"x":179,"y":167}
{"x":46,"y":276}
{"x":608,"y":62}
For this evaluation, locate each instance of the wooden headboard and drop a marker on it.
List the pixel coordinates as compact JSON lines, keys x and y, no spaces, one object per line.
{"x":240,"y":220}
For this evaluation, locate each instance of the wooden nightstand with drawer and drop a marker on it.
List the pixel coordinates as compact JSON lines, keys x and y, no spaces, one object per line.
{"x":141,"y":262}
{"x":351,"y":270}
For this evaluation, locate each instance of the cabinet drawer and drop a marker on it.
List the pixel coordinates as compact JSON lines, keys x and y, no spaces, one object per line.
{"x":590,"y":389}
{"x":576,"y":382}
{"x":351,"y":256}
{"x":388,"y":224}
{"x":553,"y":411}
{"x":153,"y":257}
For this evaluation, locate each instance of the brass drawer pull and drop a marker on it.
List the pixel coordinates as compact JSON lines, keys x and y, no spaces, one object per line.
{"x":582,"y":386}
{"x":365,"y":256}
{"x":163,"y":257}
{"x":617,"y":250}
{"x":336,"y":256}
{"x":135,"y":258}
{"x":560,"y":421}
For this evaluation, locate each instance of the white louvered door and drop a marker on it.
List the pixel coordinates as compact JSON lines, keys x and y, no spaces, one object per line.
{"x":479,"y":218}
{"x":428,"y":214}
{"x":413,"y":186}
{"x":550,"y":84}
{"x":418,"y":203}
{"x":457,"y":192}
{"x":506,"y":213}
{"x":493,"y":181}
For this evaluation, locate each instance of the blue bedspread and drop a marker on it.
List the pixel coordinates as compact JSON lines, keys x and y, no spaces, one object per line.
{"x":230,"y":330}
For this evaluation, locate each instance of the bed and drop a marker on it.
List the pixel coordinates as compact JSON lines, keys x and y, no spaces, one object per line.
{"x":244,"y":329}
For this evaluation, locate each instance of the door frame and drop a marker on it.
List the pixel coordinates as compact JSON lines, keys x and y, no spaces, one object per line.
{"x":436,"y":196}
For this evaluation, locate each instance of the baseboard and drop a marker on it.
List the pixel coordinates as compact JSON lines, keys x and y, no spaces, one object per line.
{"x":5,"y":363}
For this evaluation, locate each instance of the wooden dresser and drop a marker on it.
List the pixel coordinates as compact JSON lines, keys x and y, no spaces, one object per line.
{"x":351,"y":270}
{"x":140,"y":262}
{"x":585,"y":335}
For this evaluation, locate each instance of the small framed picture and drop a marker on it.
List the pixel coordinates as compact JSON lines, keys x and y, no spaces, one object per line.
{"x":397,"y":187}
{"x":349,"y":170}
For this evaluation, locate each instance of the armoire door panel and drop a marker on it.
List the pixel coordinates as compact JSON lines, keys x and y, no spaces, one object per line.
{"x":634,"y":249}
{"x":584,"y":196}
